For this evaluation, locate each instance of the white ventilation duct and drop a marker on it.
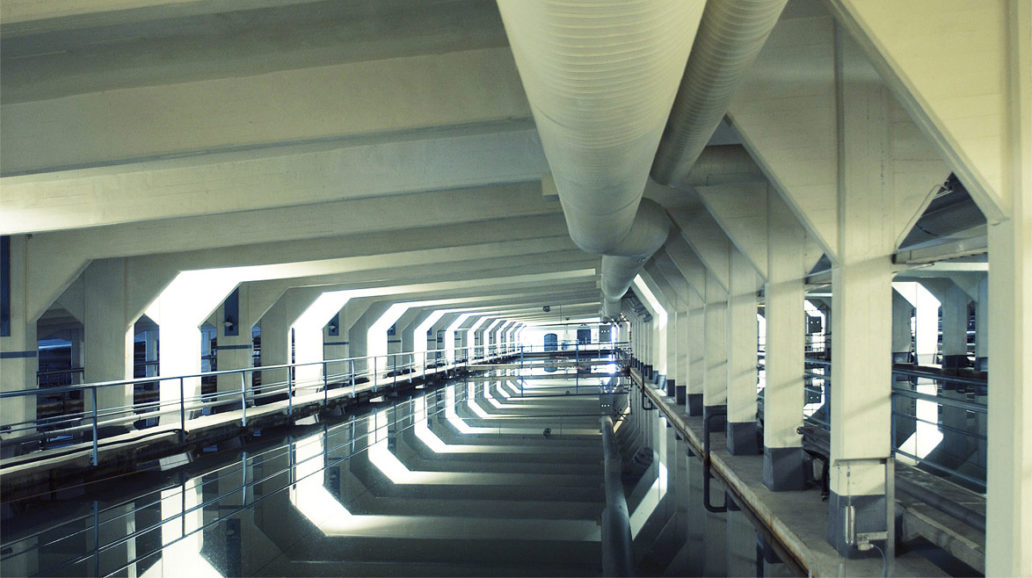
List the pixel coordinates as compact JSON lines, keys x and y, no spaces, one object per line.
{"x":601,"y":77}
{"x":730,"y":36}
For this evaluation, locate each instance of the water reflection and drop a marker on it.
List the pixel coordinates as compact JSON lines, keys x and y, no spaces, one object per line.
{"x":512,"y":466}
{"x":675,"y":534}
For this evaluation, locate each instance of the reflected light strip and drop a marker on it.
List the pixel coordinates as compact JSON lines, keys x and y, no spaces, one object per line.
{"x":471,"y":402}
{"x":308,"y":494}
{"x":658,"y":489}
{"x":926,"y":436}
{"x":455,"y":420}
{"x":626,"y":412}
{"x":383,"y":459}
{"x":181,"y":538}
{"x":421,"y":429}
{"x":490,"y":398}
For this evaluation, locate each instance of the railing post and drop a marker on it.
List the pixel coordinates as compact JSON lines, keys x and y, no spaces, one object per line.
{"x":290,"y":390}
{"x":243,"y":399}
{"x":182,"y":411}
{"x":94,"y":459}
{"x":325,"y":384}
{"x":96,"y":538}
{"x":375,"y":379}
{"x":351,"y":368}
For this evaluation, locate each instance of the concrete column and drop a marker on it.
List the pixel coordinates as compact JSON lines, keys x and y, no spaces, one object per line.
{"x":437,"y":341}
{"x":696,"y":352}
{"x":982,"y":326}
{"x":362,"y":314}
{"x":784,"y":460}
{"x":714,"y":392}
{"x":670,"y":337}
{"x":108,"y":331}
{"x":18,"y":351}
{"x":476,"y":337}
{"x":276,"y":342}
{"x":406,"y":325}
{"x":235,"y":344}
{"x":335,"y":337}
{"x":682,"y":360}
{"x":902,"y":341}
{"x":1009,"y":484}
{"x":861,"y":304}
{"x":902,"y":313}
{"x":954,"y":327}
{"x":652,"y":298}
{"x":741,"y":357}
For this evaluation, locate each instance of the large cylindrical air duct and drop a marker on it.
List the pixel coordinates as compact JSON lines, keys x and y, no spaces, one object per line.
{"x":730,"y":36}
{"x":600,"y":77}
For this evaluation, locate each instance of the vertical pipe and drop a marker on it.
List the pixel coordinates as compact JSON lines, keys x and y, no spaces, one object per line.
{"x":290,"y":390}
{"x":243,"y":399}
{"x":182,"y":412}
{"x":890,"y":513}
{"x":93,"y":453}
{"x":96,"y":536}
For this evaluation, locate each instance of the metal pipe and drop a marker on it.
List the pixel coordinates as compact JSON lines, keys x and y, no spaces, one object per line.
{"x":731,"y":34}
{"x":617,"y":553}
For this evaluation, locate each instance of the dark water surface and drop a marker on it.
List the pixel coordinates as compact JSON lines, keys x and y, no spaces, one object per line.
{"x":488,"y":476}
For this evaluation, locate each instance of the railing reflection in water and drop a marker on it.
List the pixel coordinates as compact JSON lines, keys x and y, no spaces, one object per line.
{"x":188,"y":525}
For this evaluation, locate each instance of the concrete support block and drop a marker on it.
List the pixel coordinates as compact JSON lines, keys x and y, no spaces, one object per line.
{"x":743,"y":438}
{"x":785,"y":469}
{"x":694,"y":404}
{"x":716,"y":417}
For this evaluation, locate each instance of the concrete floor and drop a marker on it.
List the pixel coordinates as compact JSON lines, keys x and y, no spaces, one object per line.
{"x":798,"y":519}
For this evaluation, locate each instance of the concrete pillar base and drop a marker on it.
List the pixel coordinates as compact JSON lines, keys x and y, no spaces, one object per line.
{"x":785,"y":469}
{"x":981,"y":364}
{"x":694,"y":404}
{"x":743,"y":438}
{"x":954,"y":361}
{"x":901,"y":357}
{"x":869,"y":516}
{"x":719,"y":422}
{"x":671,"y":387}
{"x":680,"y":394}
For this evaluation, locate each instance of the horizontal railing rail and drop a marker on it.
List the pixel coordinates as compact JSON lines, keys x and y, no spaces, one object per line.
{"x":182,"y":398}
{"x":906,"y":395}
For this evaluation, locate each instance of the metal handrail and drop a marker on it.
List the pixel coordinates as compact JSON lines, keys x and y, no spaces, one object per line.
{"x":244,"y":486}
{"x":904,"y":392}
{"x":375,"y":374}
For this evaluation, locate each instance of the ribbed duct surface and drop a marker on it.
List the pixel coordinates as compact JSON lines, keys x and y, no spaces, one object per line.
{"x":730,"y":36}
{"x":600,"y":77}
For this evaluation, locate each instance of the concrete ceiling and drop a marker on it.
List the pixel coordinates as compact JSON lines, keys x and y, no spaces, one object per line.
{"x":199,"y":134}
